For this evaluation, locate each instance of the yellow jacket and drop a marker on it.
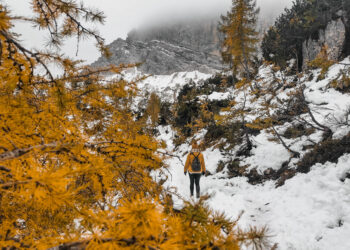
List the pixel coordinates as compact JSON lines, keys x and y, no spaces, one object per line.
{"x":190,"y":158}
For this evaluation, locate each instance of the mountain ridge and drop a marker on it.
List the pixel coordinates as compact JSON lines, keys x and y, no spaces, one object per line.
{"x":170,"y":48}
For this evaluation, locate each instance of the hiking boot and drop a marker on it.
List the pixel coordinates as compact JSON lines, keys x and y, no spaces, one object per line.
{"x":198,"y":196}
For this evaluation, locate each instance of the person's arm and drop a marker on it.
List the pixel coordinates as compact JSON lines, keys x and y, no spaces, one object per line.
{"x":201,"y":158}
{"x":187,"y":164}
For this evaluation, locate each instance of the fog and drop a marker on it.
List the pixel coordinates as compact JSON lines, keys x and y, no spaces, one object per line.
{"x":125,"y":15}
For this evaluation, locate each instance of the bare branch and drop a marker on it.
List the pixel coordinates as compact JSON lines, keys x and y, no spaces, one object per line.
{"x":171,"y":155}
{"x":27,"y":52}
{"x":294,"y":153}
{"x":9,"y":155}
{"x":5,"y":169}
{"x":11,"y":184}
{"x":321,"y":127}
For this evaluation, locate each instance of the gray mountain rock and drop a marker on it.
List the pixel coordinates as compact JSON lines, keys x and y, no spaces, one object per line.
{"x":333,"y":38}
{"x":171,"y":48}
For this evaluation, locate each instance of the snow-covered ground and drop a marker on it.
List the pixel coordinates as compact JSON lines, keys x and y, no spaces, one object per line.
{"x":167,"y":86}
{"x":310,"y":211}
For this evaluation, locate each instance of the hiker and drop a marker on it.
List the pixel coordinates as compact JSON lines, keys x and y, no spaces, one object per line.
{"x":195,"y":167}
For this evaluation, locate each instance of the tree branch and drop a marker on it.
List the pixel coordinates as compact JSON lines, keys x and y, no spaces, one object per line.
{"x":13,"y":183}
{"x":8,"y":155}
{"x":321,"y":127}
{"x":18,"y":152}
{"x":171,"y":155}
{"x":77,"y":244}
{"x":294,"y":153}
{"x":25,"y":51}
{"x":5,"y":169}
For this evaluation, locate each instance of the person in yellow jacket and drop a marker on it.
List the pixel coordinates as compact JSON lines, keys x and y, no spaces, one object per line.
{"x":195,"y":167}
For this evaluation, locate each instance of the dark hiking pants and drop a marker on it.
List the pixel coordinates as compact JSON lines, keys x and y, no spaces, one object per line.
{"x":194,"y":179}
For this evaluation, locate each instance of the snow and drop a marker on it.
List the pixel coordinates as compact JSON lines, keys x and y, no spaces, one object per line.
{"x":305,"y":213}
{"x":329,"y":105}
{"x":310,"y":211}
{"x":167,"y":86}
{"x":216,"y":96}
{"x":267,"y":154}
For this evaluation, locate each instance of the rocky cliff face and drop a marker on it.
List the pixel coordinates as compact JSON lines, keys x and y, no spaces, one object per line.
{"x":333,"y":38}
{"x":172,"y":48}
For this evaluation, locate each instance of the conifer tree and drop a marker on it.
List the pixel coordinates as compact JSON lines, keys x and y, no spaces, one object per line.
{"x":153,"y":108}
{"x":239,"y":48}
{"x":240,"y":36}
{"x":304,"y":19}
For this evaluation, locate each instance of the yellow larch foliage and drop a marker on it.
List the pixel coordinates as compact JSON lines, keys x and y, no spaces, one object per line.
{"x":240,"y":36}
{"x":153,"y":109}
{"x":322,"y":61}
{"x":69,"y":145}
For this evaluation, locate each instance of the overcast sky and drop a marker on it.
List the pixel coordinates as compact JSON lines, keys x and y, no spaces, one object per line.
{"x":124,"y":15}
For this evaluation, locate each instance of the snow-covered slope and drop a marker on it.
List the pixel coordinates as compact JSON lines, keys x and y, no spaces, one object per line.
{"x":311,"y":210}
{"x":166,"y":86}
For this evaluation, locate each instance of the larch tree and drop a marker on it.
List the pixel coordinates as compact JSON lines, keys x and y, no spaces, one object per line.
{"x":240,"y":37}
{"x":75,"y":164}
{"x":70,"y":148}
{"x":153,"y":109}
{"x":239,"y":46}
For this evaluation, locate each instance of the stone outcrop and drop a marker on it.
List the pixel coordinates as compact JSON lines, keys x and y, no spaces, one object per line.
{"x":333,"y":38}
{"x":172,"y":48}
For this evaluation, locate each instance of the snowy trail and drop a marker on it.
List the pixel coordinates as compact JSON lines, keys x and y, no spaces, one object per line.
{"x":311,"y":211}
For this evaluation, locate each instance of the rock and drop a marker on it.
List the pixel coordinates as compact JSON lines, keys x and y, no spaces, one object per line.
{"x":347,"y":176}
{"x":333,"y":38}
{"x":171,"y":48}
{"x":254,"y":177}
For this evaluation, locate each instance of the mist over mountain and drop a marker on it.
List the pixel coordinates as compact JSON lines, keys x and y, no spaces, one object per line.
{"x":185,"y":45}
{"x":184,"y":40}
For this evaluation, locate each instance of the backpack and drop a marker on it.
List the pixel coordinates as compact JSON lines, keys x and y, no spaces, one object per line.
{"x":196,"y":165}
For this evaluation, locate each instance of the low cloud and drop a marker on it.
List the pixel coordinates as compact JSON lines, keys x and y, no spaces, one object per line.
{"x":164,"y":11}
{"x":123,"y":16}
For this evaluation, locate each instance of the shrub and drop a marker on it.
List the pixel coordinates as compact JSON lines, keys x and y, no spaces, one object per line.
{"x":220,"y":166}
{"x":186,"y":114}
{"x":322,"y":62}
{"x":328,"y":150}
{"x":297,"y":131}
{"x":341,"y":84}
{"x":215,"y":106}
{"x":165,"y":115}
